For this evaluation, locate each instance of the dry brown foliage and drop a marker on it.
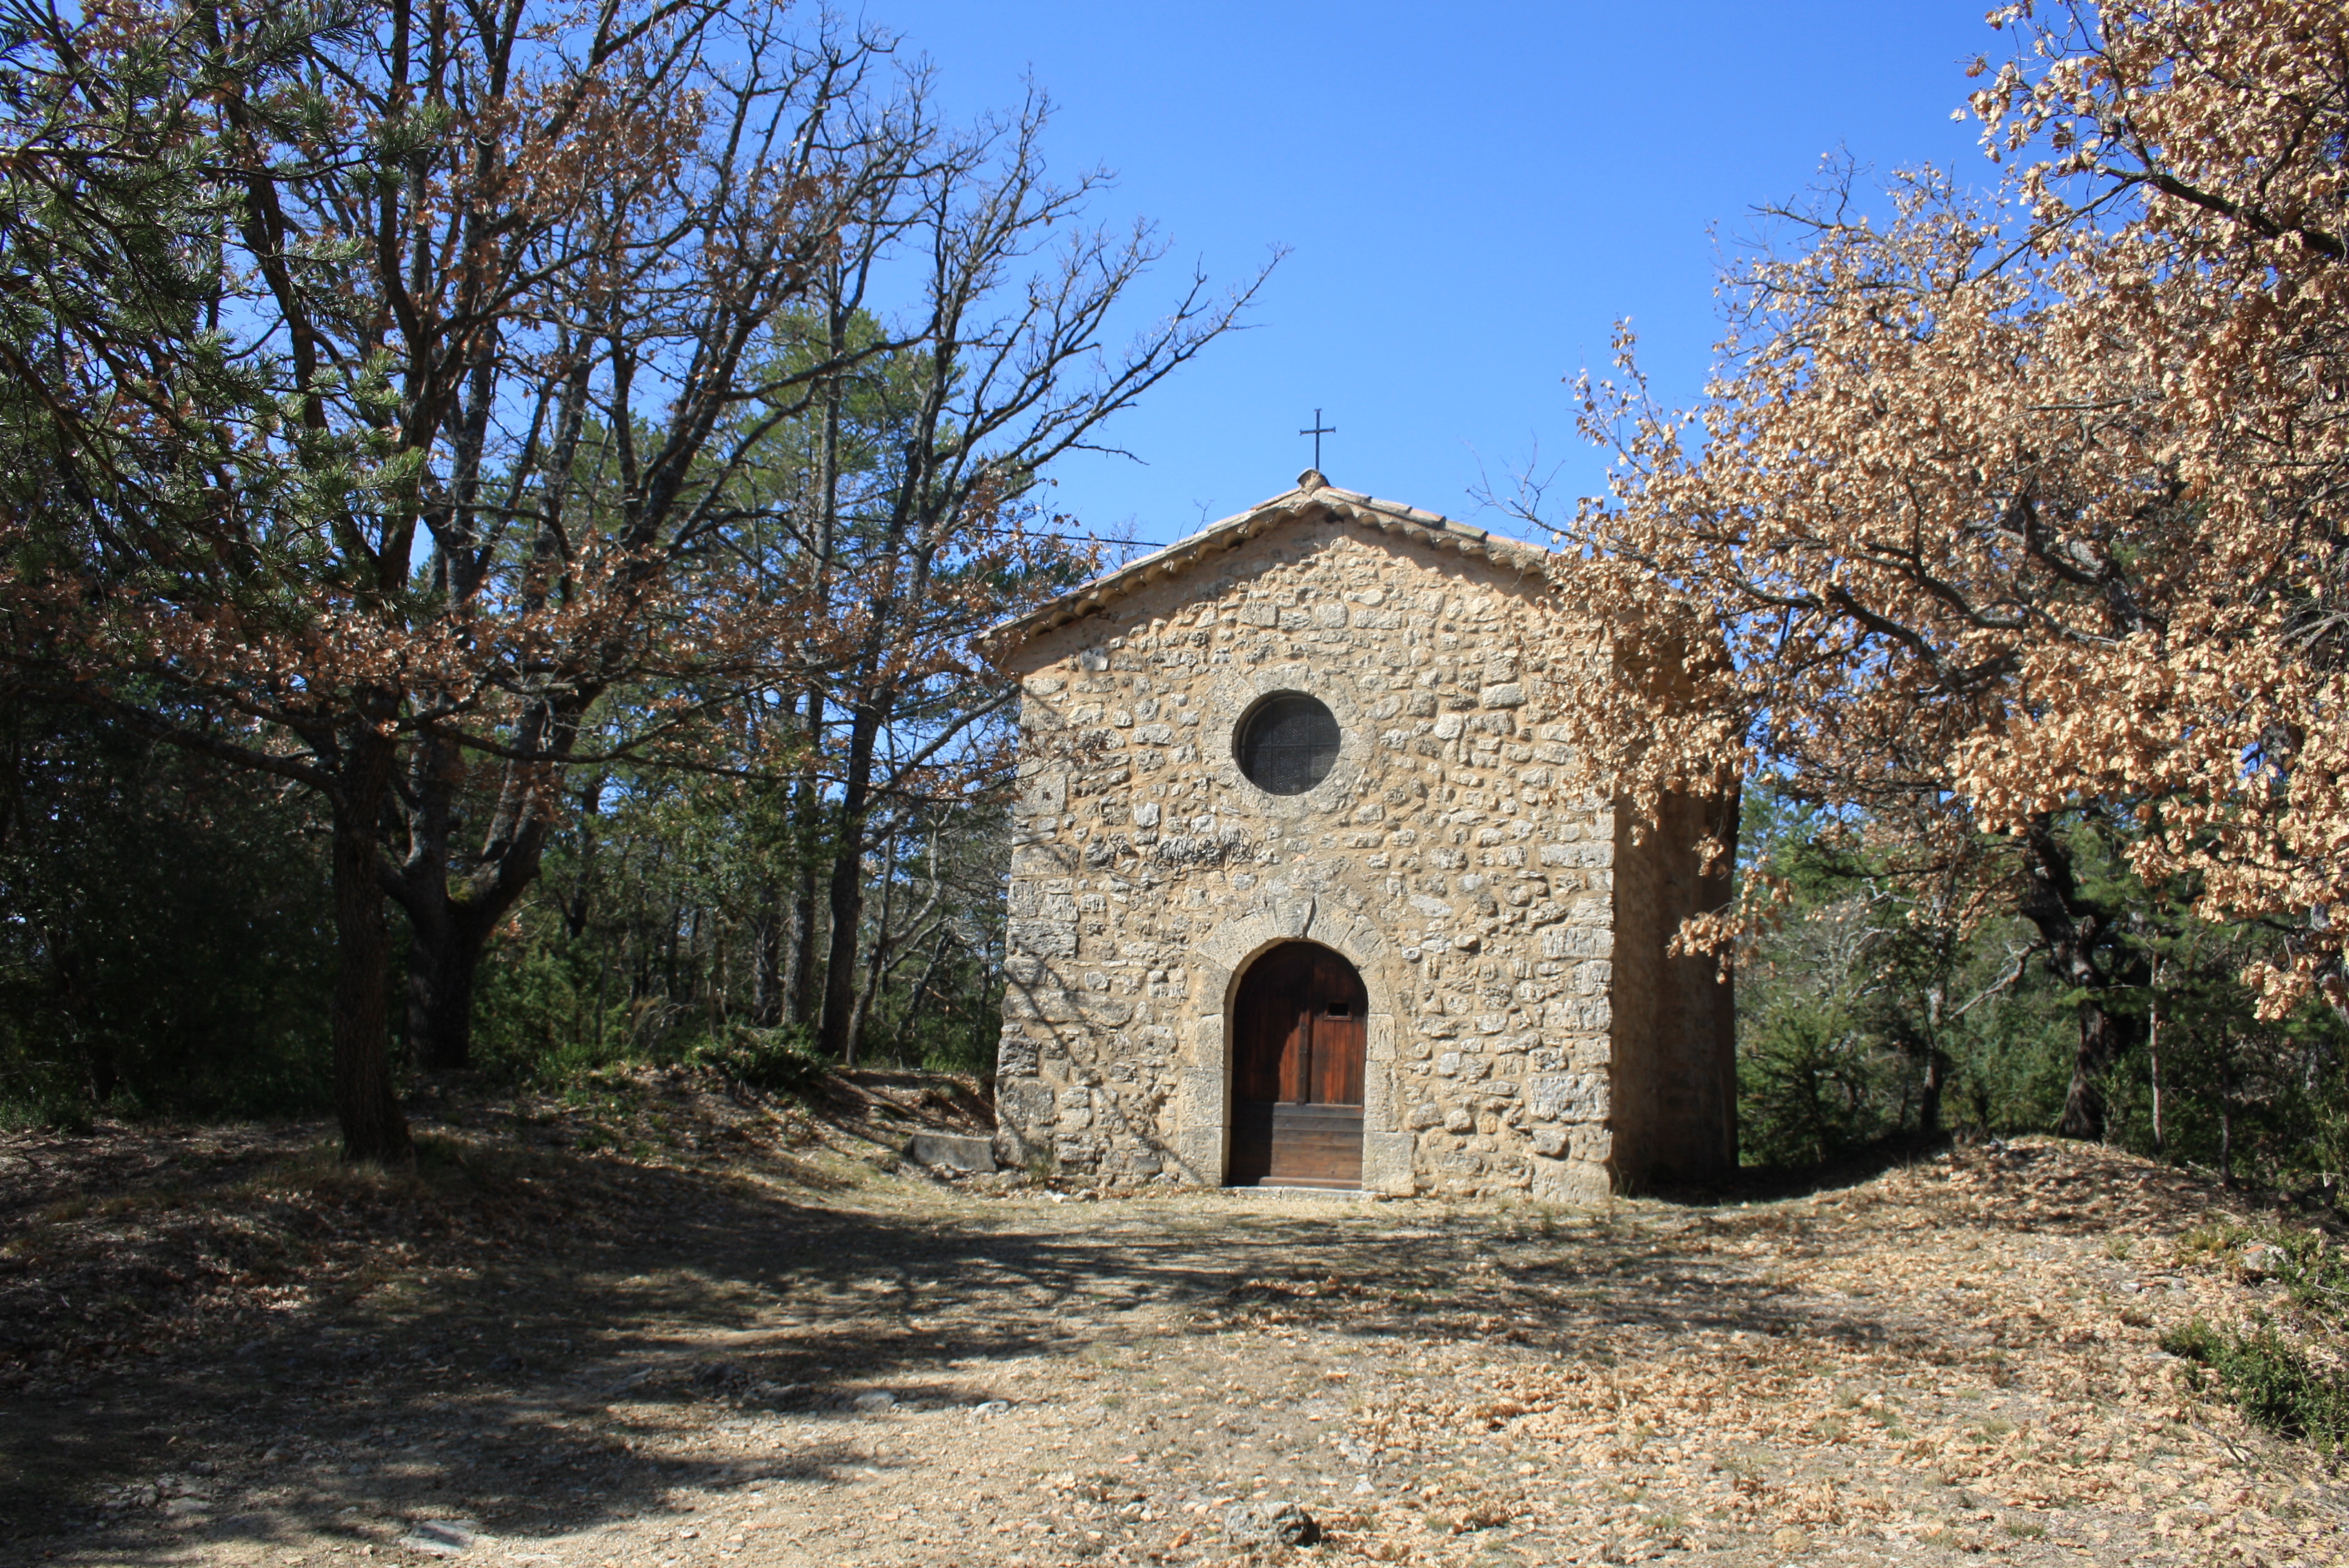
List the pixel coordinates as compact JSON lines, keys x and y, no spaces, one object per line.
{"x":649,"y":1311}
{"x":1983,"y":1390}
{"x":2022,"y":502}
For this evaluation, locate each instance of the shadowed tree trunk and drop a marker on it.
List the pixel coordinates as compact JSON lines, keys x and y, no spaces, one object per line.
{"x":807,"y":808}
{"x":767,"y":958}
{"x":836,"y":1037}
{"x":453,"y":907}
{"x":374,"y":1129}
{"x":921,"y":991}
{"x":442,"y":971}
{"x":2081,"y":957}
{"x":2227,"y":1109}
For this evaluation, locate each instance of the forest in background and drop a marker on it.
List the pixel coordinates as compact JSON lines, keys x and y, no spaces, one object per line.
{"x":167,"y":958}
{"x":480,"y":603}
{"x":169,"y":954}
{"x":535,"y":477}
{"x":1879,"y":1012}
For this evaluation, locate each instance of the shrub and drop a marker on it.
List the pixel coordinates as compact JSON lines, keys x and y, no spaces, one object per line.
{"x":1810,"y":1085}
{"x":779,"y":1061}
{"x":2274,"y":1381}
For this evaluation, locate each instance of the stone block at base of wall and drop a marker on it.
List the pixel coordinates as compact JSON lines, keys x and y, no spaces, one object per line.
{"x":1386,"y":1163}
{"x":1199,"y":1154}
{"x":950,"y":1151}
{"x":1583,"y":1183}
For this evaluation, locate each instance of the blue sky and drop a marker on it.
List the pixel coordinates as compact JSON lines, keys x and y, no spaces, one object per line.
{"x":1471,"y":193}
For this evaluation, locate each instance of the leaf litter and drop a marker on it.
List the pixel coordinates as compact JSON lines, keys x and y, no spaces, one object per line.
{"x":1962,"y":1353}
{"x":708,"y":1303}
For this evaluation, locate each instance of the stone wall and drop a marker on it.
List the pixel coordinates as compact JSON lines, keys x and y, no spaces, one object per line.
{"x":1445,"y":855}
{"x":1694,"y":1066}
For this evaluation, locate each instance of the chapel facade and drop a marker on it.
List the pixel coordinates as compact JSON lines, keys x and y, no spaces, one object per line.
{"x":1304,"y":892}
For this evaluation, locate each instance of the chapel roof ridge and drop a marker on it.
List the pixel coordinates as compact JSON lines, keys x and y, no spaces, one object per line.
{"x":1313,"y":494}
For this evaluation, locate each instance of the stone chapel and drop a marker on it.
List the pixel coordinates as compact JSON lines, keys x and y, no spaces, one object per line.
{"x":1302,"y":895}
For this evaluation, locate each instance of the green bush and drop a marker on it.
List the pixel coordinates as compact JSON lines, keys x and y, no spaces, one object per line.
{"x":541,"y":1013}
{"x":779,"y":1061}
{"x":1810,"y":1085}
{"x":2294,"y":1387}
{"x":2271,"y":1380}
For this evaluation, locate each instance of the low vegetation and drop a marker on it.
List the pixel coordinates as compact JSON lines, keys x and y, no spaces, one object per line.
{"x":2284,"y":1365}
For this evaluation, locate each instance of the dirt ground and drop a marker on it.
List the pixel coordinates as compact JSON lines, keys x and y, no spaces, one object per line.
{"x":663,"y":1327}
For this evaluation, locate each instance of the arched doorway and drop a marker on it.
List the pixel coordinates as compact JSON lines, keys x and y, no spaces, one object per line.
{"x":1298,"y":1039}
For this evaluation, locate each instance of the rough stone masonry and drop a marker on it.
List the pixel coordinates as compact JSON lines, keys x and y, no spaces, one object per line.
{"x":1526,"y":1027}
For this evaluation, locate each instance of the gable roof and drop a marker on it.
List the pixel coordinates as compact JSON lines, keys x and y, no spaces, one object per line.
{"x":1315,"y":498}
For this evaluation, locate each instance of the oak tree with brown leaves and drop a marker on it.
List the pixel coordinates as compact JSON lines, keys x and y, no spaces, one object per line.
{"x":2011,"y":507}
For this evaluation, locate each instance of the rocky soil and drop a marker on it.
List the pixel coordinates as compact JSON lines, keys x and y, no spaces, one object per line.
{"x":654,"y":1324}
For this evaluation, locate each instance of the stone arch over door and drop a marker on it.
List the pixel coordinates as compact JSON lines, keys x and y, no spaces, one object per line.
{"x":1203,"y":1124}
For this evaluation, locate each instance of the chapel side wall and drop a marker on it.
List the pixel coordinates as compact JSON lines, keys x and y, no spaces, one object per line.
{"x":1698,"y":1096}
{"x":1675,"y":1038}
{"x":1445,"y":857}
{"x":1640,"y":885}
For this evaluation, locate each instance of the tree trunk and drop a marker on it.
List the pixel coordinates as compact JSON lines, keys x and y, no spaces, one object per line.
{"x":837,"y":1039}
{"x":669,"y":944}
{"x":2102,"y":1040}
{"x":374,"y":1129}
{"x":2335,"y":988}
{"x":104,"y":1079}
{"x":1928,"y":1099}
{"x":808,"y":809}
{"x":719,"y":999}
{"x":99,"y":1044}
{"x":1935,"y":1064}
{"x":922,"y":986}
{"x":877,"y":958}
{"x":860,"y":1017}
{"x":987,"y":1012}
{"x":767,"y":959}
{"x":575,"y":907}
{"x":452,"y":912}
{"x":2226,"y":1110}
{"x":442,"y":970}
{"x":804,"y":933}
{"x":2073,"y":930}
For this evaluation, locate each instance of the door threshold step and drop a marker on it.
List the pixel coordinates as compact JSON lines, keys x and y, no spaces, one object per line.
{"x":1289,"y":1189}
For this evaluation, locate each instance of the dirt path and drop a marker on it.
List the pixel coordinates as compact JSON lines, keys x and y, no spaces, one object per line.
{"x":1947,"y":1362}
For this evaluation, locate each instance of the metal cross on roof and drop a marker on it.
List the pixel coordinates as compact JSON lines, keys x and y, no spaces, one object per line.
{"x":1317,"y":432}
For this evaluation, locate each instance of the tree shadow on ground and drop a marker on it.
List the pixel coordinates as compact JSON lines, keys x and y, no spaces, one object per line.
{"x":523,"y":1382}
{"x":507,"y":1384}
{"x":1781,"y":1184}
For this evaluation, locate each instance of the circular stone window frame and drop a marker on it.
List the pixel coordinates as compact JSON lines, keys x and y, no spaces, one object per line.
{"x":1237,"y":694}
{"x":1255,"y":712}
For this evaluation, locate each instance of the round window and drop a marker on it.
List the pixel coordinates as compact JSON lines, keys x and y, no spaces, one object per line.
{"x":1286,"y":744}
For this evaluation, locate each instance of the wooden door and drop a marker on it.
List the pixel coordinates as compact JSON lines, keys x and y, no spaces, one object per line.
{"x":1298,"y":1039}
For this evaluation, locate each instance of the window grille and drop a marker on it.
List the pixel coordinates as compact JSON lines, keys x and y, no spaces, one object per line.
{"x":1287,"y":744}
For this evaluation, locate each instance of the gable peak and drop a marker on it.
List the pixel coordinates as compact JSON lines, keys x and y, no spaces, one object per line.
{"x":1315,"y":498}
